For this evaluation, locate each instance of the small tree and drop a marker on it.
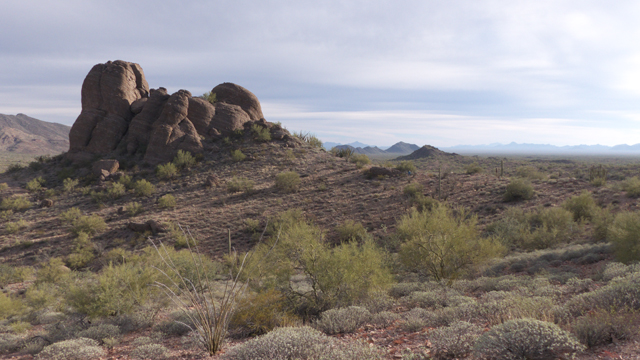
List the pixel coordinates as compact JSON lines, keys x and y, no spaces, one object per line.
{"x":443,"y":245}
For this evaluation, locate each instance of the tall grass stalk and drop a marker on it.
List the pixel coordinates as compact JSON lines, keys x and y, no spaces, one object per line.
{"x":209,"y":314}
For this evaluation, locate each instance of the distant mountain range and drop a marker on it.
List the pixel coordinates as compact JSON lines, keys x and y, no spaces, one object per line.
{"x":400,"y":148}
{"x":545,"y":149}
{"x":22,"y":134}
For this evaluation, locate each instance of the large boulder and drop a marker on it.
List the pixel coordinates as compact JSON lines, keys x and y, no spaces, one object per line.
{"x":232,"y":94}
{"x":201,"y":112}
{"x":107,"y":94}
{"x":228,"y":118}
{"x":142,"y":124}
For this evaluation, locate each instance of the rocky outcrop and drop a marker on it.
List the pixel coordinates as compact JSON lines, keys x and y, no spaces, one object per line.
{"x":121,"y":115}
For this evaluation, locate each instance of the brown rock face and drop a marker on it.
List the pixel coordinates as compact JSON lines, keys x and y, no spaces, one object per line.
{"x":121,"y":114}
{"x":233,"y":94}
{"x":107,"y":94}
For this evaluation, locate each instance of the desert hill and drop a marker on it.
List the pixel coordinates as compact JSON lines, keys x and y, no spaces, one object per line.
{"x":402,"y":148}
{"x":397,"y":149}
{"x":22,"y":134}
{"x":426,"y":151}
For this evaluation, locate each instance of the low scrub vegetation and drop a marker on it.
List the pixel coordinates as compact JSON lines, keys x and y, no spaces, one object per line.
{"x":518,"y":189}
{"x":288,"y":181}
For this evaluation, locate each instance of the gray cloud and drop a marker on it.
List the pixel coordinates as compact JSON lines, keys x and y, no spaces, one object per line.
{"x":509,"y":62}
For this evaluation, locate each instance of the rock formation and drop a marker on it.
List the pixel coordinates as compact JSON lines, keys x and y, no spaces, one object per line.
{"x":121,"y":115}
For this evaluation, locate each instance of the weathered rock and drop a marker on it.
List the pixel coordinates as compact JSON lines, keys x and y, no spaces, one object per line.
{"x":142,"y":124}
{"x":103,"y":175}
{"x":229,"y":118}
{"x":201,"y":113}
{"x":212,"y":180}
{"x":173,"y":131}
{"x":107,"y":94}
{"x":138,"y":105}
{"x":111,"y":166}
{"x":46,"y":203}
{"x":151,"y":226}
{"x":233,"y":94}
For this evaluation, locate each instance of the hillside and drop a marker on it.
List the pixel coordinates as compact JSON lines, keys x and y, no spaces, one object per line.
{"x":426,"y":151}
{"x":21,"y":134}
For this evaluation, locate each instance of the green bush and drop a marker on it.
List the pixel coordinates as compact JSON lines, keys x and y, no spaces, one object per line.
{"x":14,"y":227}
{"x":83,"y":252}
{"x":632,"y":187}
{"x":16,"y":203}
{"x":134,"y":208}
{"x":624,"y":233}
{"x":308,"y":138}
{"x":351,"y":231}
{"x":473,"y":169}
{"x":455,"y":340}
{"x":406,"y":166}
{"x":167,"y":201}
{"x":89,"y":225}
{"x":238,"y":156}
{"x":210,"y":97}
{"x":69,"y":184}
{"x":443,"y":245}
{"x":261,"y":312}
{"x":116,"y":191}
{"x":69,"y":216}
{"x":75,"y":349}
{"x":526,"y":339}
{"x":8,"y":306}
{"x":167,"y":171}
{"x":582,"y":206}
{"x":143,"y":188}
{"x":126,"y":181}
{"x":360,"y":160}
{"x":184,"y":160}
{"x":11,"y":274}
{"x":260,"y":133}
{"x":343,"y":320}
{"x":237,"y":184}
{"x":3,"y":187}
{"x":35,"y":184}
{"x":518,"y":189}
{"x":288,"y":181}
{"x":53,"y":272}
{"x":299,"y":343}
{"x":6,"y":215}
{"x":529,"y":172}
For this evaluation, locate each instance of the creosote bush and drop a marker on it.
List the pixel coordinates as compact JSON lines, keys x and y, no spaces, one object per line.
{"x":406,"y":166}
{"x":288,"y":181}
{"x":473,"y":169}
{"x":143,"y":188}
{"x":624,"y":233}
{"x":360,"y":160}
{"x":69,"y":184}
{"x":89,"y":225}
{"x":184,"y":160}
{"x":35,"y":184}
{"x":15,"y":203}
{"x":308,"y":138}
{"x":260,"y":133}
{"x":167,"y":171}
{"x":526,"y":339}
{"x":518,"y":189}
{"x":134,"y":208}
{"x":582,"y":206}
{"x":413,"y":190}
{"x":632,"y":187}
{"x":260,"y":312}
{"x":351,"y":231}
{"x":238,"y":156}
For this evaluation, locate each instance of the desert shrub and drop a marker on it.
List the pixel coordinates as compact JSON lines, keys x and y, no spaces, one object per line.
{"x":405,"y":288}
{"x":351,"y":231}
{"x":360,"y":160}
{"x":308,"y":138}
{"x":3,"y":187}
{"x":134,"y":208}
{"x":238,"y":156}
{"x":100,"y":332}
{"x":35,"y":184}
{"x":454,"y":341}
{"x":260,"y":133}
{"x":615,"y":269}
{"x":603,"y":327}
{"x":620,"y":294}
{"x":20,"y":327}
{"x":143,"y":188}
{"x":12,"y":274}
{"x":288,"y":181}
{"x":150,"y":351}
{"x":6,"y":215}
{"x":167,"y":171}
{"x":413,"y":190}
{"x":406,"y":166}
{"x":299,"y":343}
{"x":181,"y":239}
{"x":518,"y":189}
{"x":69,"y":184}
{"x":502,"y":306}
{"x":82,"y":253}
{"x":210,"y":97}
{"x":237,"y":184}
{"x":75,"y":349}
{"x":416,"y":319}
{"x":15,"y":203}
{"x":343,"y":320}
{"x":184,"y":160}
{"x":632,"y":187}
{"x":529,"y":172}
{"x":167,"y":201}
{"x":473,"y":169}
{"x":601,"y":220}
{"x":434,"y":299}
{"x":53,"y":272}
{"x":582,"y":206}
{"x":14,"y":227}
{"x":126,"y":180}
{"x":116,"y":190}
{"x":442,"y":244}
{"x":251,"y":225}
{"x":624,"y":233}
{"x":384,"y":319}
{"x":9,"y":306}
{"x":261,"y":312}
{"x":89,"y":225}
{"x":342,"y":153}
{"x":526,"y":339}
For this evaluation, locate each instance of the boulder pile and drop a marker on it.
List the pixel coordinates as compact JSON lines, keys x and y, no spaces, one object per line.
{"x":121,"y":115}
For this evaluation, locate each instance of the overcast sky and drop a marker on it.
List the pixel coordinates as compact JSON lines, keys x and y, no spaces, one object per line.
{"x":427,"y":72}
